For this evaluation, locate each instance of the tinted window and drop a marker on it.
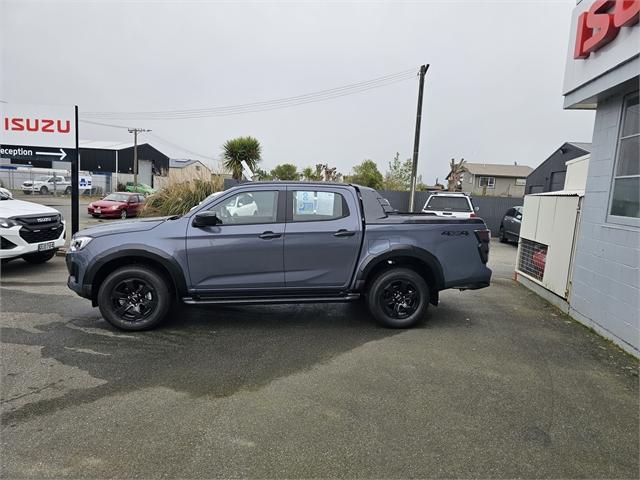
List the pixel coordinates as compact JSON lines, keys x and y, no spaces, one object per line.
{"x":448,"y":204}
{"x":248,"y":208}
{"x":511,"y":212}
{"x":310,"y":206}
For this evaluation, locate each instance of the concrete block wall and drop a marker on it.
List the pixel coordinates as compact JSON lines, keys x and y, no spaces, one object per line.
{"x":605,"y":291}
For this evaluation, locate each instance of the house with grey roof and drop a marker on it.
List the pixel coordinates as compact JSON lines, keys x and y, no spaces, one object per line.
{"x":185,"y":170}
{"x":495,"y":180}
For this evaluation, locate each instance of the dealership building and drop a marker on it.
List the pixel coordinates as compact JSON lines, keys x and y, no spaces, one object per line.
{"x":603,"y":74}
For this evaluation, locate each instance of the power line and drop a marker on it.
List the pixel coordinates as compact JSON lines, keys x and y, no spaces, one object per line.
{"x":267,"y":105}
{"x":156,"y":137}
{"x":179,"y":147}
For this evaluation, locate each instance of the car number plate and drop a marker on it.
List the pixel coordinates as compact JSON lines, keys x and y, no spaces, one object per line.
{"x":46,"y":246}
{"x":97,"y":210}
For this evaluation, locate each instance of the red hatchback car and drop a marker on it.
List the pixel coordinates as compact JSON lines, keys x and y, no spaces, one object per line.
{"x":118,"y":204}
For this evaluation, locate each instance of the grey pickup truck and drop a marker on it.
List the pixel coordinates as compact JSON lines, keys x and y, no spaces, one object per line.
{"x":279,"y":242}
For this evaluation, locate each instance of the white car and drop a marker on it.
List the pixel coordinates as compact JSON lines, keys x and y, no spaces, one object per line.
{"x":243,"y":205}
{"x":45,"y":184}
{"x":452,"y":205}
{"x":28,"y":230}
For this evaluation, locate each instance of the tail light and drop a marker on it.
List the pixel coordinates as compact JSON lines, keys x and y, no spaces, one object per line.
{"x":484,"y":238}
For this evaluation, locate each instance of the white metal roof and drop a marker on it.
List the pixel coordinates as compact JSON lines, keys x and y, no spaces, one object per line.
{"x":105,"y":144}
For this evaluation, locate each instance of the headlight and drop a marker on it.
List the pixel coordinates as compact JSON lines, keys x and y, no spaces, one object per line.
{"x":78,"y":243}
{"x":8,"y":223}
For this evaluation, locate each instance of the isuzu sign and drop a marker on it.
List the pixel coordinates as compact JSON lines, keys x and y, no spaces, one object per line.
{"x":38,"y":126}
{"x":601,"y":23}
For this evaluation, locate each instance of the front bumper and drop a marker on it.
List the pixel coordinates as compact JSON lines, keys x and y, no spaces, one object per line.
{"x":14,"y":245}
{"x":77,"y":268}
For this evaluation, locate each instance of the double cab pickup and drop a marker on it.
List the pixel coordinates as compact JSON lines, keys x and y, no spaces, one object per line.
{"x":279,"y":242}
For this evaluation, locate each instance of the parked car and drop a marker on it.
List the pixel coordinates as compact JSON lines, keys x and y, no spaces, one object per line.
{"x":45,"y":184}
{"x":510,"y":225}
{"x":29,"y":230}
{"x":308,"y":242}
{"x":242,"y":205}
{"x":450,"y":204}
{"x":139,"y":188}
{"x":117,"y":205}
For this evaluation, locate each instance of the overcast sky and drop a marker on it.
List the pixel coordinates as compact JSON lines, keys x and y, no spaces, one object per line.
{"x":493,"y":92}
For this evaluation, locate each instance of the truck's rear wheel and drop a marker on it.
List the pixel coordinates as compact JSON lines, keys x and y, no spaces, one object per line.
{"x":398,"y":298}
{"x":134,"y":298}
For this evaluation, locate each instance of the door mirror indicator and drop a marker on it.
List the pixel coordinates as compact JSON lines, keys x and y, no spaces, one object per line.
{"x":206,"y":219}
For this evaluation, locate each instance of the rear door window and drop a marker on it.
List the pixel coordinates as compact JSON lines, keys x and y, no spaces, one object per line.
{"x":448,"y":204}
{"x":313,"y":206}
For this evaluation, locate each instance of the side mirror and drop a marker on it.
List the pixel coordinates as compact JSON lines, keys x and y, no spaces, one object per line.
{"x":519,"y":216}
{"x":206,"y":219}
{"x":476,"y":208}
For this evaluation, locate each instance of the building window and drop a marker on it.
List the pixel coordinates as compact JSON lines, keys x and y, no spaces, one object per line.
{"x":521,"y":182}
{"x":489,"y":182}
{"x":625,"y":200}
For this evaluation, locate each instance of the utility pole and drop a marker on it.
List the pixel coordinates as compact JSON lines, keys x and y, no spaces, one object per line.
{"x":416,"y":142}
{"x":135,"y":153}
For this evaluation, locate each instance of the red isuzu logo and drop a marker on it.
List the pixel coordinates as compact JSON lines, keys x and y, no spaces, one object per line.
{"x":45,"y":125}
{"x":602,"y":22}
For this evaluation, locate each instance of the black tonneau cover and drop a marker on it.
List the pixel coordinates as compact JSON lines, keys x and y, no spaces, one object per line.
{"x":377,"y":210}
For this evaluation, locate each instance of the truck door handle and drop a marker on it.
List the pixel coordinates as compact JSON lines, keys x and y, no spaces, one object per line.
{"x":269,"y":234}
{"x":344,"y":233}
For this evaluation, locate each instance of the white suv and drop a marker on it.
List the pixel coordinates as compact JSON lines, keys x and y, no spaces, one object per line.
{"x":28,"y":230}
{"x":450,"y":204}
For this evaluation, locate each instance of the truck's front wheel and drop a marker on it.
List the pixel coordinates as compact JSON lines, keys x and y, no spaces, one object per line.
{"x":398,"y":298}
{"x":134,"y":298}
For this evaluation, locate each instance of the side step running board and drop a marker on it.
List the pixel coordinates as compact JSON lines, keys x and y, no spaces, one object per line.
{"x":268,"y":300}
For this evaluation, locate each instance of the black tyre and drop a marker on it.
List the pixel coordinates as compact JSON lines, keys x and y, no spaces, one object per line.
{"x":95,"y":215}
{"x":134,"y":298}
{"x":39,"y":257}
{"x":398,"y":298}
{"x":123,"y":214}
{"x":502,"y":235}
{"x":44,"y":190}
{"x":67,"y":191}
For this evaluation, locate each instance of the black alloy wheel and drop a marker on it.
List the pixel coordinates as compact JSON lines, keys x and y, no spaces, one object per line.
{"x":398,"y":297}
{"x":134,"y":299}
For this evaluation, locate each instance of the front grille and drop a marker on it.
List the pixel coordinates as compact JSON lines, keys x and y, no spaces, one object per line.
{"x":533,"y":258}
{"x":6,"y":244}
{"x":41,"y":235}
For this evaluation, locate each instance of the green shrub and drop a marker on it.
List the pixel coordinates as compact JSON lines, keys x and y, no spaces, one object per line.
{"x":178,"y":198}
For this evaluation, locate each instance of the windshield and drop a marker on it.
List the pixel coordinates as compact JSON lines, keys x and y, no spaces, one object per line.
{"x":117,"y":197}
{"x":43,"y":178}
{"x":448,"y":204}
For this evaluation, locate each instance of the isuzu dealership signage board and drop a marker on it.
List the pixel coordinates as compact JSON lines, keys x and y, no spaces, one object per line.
{"x":604,"y":35}
{"x":38,"y":125}
{"x":41,"y":133}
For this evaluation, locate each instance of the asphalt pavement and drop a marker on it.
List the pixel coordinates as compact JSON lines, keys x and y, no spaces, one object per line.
{"x":496,"y":383}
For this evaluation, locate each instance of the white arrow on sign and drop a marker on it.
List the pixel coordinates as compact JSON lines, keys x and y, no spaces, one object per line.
{"x":62,"y":154}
